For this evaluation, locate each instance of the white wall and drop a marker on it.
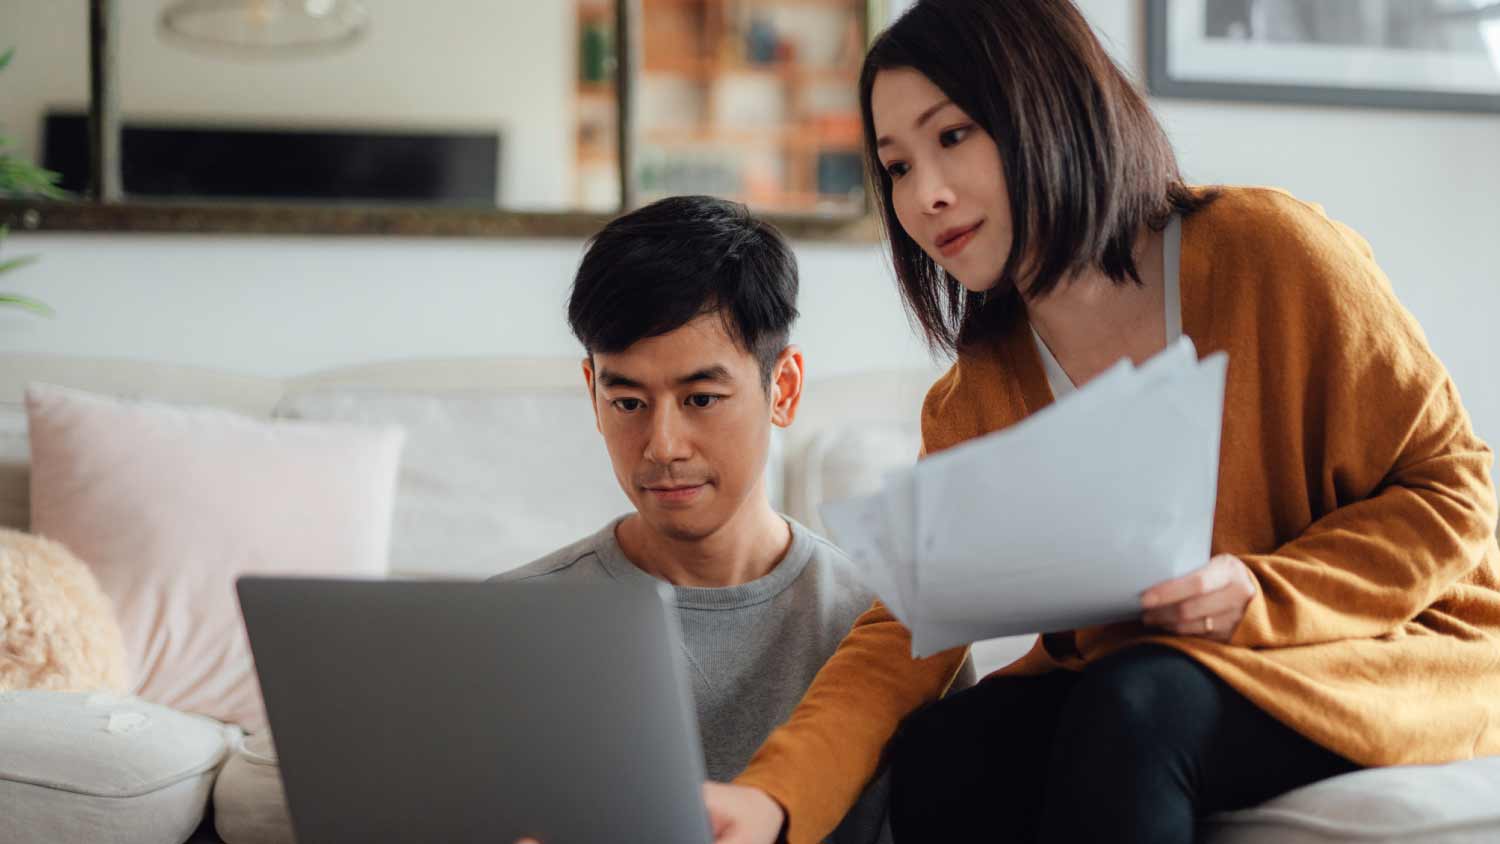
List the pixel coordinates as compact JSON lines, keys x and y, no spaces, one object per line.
{"x":1423,"y":188}
{"x":440,"y":65}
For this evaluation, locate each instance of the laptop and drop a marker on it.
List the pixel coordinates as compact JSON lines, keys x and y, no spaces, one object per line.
{"x":456,"y":712}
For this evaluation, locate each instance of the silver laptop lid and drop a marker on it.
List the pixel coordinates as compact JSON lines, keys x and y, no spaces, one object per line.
{"x":456,"y":712}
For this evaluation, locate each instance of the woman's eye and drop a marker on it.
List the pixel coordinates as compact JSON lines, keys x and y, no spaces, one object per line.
{"x":951,"y":137}
{"x":628,"y":405}
{"x":897,"y":169}
{"x":703,"y":401}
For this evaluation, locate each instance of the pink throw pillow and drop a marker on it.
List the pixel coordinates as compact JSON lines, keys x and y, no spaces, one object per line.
{"x":169,"y":505}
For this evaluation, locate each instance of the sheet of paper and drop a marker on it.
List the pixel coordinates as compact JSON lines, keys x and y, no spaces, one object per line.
{"x":1058,"y":522}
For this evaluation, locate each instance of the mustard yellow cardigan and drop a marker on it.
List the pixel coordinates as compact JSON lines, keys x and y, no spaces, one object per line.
{"x":1350,"y":482}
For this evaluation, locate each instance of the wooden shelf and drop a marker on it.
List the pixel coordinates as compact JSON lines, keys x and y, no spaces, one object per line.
{"x":596,"y":90}
{"x":710,"y":68}
{"x":787,"y":202}
{"x":792,"y":136}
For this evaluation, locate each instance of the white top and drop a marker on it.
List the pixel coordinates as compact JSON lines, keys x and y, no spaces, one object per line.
{"x":1059,"y":381}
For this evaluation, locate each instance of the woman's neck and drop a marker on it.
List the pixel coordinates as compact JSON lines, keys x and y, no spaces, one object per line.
{"x":1089,"y":322}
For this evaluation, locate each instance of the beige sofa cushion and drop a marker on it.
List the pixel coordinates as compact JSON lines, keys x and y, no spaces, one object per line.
{"x":249,"y":800}
{"x":1457,"y":803}
{"x":95,"y":767}
{"x":488,"y":481}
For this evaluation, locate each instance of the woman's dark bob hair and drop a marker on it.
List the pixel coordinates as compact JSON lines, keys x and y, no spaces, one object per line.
{"x":1085,"y":160}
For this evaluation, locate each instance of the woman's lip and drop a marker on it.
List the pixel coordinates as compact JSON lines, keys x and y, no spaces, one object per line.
{"x":957,"y":244}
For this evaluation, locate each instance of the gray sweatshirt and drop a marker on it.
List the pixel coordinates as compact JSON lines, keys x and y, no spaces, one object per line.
{"x":752,"y":650}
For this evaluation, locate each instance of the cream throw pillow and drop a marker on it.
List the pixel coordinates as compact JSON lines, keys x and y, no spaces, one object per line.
{"x":170,"y":505}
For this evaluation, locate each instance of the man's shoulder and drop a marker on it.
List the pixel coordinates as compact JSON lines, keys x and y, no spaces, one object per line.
{"x":580,"y":559}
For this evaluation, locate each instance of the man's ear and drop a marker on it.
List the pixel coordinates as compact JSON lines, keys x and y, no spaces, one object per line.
{"x":588,"y":381}
{"x":786,"y":387}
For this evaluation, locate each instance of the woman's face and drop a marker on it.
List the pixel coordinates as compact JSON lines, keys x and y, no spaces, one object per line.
{"x":947,"y":185}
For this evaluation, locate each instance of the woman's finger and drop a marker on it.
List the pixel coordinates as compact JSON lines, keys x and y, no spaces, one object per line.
{"x":1231,"y":598}
{"x":1210,"y":578}
{"x":1219,"y":627}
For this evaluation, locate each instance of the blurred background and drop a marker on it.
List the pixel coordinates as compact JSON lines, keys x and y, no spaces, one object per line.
{"x":512,"y":104}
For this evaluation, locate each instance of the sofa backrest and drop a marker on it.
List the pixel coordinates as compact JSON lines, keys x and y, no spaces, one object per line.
{"x":849,"y":431}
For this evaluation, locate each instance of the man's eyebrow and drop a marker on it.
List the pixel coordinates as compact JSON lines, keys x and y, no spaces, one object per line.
{"x":610,"y":378}
{"x":925,"y":116}
{"x":717,"y":373}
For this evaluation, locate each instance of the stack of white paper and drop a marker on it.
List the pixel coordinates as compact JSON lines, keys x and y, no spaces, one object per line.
{"x":1058,"y":522}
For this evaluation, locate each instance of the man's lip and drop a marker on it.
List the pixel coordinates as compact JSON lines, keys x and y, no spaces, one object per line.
{"x":676,"y":496}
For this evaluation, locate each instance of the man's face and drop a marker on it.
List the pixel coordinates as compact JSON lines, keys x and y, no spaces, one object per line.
{"x":688,"y":424}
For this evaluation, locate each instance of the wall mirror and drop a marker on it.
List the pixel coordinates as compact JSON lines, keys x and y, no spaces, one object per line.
{"x":477,"y":117}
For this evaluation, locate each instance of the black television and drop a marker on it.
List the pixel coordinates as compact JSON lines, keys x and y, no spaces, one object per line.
{"x":185,"y":161}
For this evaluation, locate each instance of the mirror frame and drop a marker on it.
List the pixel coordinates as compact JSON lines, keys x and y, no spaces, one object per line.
{"x":105,"y":209}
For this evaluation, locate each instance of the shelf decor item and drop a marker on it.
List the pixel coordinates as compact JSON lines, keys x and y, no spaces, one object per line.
{"x":751,"y":100}
{"x":1422,"y":54}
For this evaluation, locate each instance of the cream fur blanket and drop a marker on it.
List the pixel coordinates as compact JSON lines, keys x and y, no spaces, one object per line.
{"x":57,"y":628}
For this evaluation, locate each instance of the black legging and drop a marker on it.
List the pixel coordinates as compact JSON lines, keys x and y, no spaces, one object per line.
{"x":1135,"y":748}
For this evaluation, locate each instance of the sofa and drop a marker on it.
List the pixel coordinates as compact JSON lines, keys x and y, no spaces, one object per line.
{"x":469,"y":424}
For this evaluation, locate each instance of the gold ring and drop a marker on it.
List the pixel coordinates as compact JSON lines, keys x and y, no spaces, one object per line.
{"x":1208,"y":624}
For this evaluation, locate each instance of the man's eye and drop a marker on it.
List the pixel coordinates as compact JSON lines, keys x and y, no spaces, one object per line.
{"x":703,"y":401}
{"x":628,"y":405}
{"x":897,"y":169}
{"x":951,"y":137}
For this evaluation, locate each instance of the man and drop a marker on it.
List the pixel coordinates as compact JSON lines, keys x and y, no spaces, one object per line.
{"x":684,"y":309}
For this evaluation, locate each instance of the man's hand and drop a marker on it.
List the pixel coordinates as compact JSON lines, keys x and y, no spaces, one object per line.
{"x":741,"y":815}
{"x":1209,"y":602}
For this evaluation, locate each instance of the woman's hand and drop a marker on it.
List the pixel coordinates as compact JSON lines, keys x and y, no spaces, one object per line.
{"x":742,"y":815}
{"x":1209,"y":602}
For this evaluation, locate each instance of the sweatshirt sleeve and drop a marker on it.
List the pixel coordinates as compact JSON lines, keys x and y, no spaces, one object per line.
{"x":1416,"y":504}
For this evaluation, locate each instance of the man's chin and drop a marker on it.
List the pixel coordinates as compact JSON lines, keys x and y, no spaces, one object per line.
{"x":683,"y":525}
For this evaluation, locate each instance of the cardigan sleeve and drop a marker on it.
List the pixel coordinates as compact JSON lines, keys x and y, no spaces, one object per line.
{"x":818,"y":763}
{"x":1416,"y":506}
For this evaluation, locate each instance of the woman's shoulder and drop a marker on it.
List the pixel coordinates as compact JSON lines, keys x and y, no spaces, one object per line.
{"x":1266,"y":220}
{"x":1285,"y":252}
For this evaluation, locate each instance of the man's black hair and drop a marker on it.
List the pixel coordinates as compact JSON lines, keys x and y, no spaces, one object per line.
{"x":656,"y":269}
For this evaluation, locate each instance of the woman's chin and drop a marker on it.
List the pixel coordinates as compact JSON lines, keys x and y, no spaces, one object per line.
{"x":975,"y":283}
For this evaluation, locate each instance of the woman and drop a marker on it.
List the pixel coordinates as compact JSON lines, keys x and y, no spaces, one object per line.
{"x":1350,"y":613}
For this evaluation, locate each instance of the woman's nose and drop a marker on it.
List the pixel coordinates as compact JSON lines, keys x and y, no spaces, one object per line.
{"x":936,"y":192}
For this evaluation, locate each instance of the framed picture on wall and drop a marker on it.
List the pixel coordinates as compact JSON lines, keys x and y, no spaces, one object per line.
{"x":1425,"y":54}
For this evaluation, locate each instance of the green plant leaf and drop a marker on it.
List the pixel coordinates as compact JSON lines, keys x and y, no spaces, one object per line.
{"x":5,"y":57}
{"x":26,"y":304}
{"x":7,"y":266}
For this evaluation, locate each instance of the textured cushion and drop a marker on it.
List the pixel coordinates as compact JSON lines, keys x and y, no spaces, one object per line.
{"x":169,"y":505}
{"x":249,"y":802}
{"x":96,"y":767}
{"x":488,"y":481}
{"x":1457,"y":803}
{"x":57,"y":629}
